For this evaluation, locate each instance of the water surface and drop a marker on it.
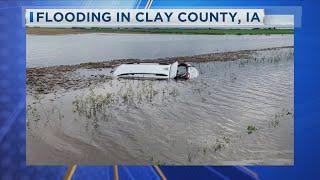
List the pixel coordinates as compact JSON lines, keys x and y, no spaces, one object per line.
{"x":235,"y":112}
{"x":79,"y":48}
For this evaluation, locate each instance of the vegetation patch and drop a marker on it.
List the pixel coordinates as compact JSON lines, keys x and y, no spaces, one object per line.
{"x":207,"y":31}
{"x":251,"y":129}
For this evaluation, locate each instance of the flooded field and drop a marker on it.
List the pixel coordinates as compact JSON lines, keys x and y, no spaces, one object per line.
{"x":46,"y":50}
{"x":235,"y":112}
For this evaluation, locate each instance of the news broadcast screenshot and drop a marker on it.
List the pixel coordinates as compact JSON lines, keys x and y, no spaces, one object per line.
{"x":143,"y":89}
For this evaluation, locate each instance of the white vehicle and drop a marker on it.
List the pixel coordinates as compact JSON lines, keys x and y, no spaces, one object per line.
{"x":156,"y":71}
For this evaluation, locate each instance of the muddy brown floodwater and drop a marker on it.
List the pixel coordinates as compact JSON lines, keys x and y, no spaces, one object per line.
{"x":235,"y":112}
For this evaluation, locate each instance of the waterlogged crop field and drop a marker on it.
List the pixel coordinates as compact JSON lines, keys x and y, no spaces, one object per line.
{"x":236,"y":112}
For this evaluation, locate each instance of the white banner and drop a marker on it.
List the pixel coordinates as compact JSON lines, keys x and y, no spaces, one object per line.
{"x":209,"y":18}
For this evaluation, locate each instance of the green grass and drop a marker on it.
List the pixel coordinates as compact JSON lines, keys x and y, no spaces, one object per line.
{"x":251,"y":129}
{"x":255,"y":31}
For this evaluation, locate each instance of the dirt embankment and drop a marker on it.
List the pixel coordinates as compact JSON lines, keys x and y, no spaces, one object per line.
{"x":75,"y":30}
{"x":44,"y":80}
{"x":55,"y":31}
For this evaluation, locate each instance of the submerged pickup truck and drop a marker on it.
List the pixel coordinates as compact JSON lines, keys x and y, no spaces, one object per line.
{"x":156,"y":71}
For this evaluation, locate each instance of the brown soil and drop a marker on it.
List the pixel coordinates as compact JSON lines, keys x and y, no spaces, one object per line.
{"x":55,"y":31}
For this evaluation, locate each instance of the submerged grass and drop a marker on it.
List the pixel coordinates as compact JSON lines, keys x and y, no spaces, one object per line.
{"x":97,"y":105}
{"x":32,"y":113}
{"x":251,"y":129}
